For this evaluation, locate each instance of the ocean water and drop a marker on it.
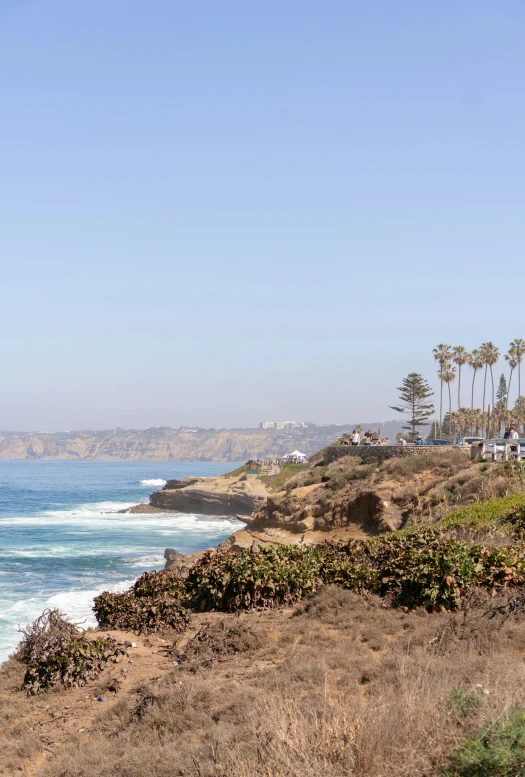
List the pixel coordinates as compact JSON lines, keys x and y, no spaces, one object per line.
{"x":61,"y":542}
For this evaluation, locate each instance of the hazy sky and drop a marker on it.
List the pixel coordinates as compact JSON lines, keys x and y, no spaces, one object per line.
{"x":218,"y":212}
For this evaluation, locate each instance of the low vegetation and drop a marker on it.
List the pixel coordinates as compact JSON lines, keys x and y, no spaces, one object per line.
{"x":235,"y":473}
{"x":340,"y":687}
{"x":263,"y":577}
{"x":58,"y":654}
{"x":504,"y":516}
{"x":424,"y":566}
{"x":153,"y":603}
{"x":276,"y":482}
{"x":214,"y":641}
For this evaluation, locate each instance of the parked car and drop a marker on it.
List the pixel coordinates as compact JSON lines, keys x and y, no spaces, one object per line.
{"x":467,"y":441}
{"x":438,"y":442}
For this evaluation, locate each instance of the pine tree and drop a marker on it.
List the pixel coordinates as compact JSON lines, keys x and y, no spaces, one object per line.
{"x":501,"y":393}
{"x":414,"y":396}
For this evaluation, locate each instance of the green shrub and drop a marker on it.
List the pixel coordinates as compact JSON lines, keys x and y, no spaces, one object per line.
{"x":465,"y":701}
{"x":506,"y":513}
{"x":143,"y":615}
{"x":423,"y":568}
{"x":499,"y":751}
{"x":266,"y":577}
{"x":155,"y":602}
{"x":281,"y":479}
{"x":167,"y":582}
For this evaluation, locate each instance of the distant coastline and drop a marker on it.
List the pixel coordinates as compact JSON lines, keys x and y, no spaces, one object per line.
{"x":167,"y":444}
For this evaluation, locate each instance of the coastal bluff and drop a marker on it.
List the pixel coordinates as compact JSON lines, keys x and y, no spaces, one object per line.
{"x":167,"y":443}
{"x":222,"y":496}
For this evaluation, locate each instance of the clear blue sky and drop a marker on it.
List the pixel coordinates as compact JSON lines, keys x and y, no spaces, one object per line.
{"x":218,"y":212}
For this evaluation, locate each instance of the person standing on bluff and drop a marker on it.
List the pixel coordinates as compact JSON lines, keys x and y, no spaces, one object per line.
{"x":356,"y":437}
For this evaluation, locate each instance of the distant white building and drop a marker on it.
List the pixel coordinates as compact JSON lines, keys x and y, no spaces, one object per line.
{"x":278,"y":425}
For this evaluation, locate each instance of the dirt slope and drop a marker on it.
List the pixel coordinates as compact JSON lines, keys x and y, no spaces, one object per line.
{"x":341,"y":686}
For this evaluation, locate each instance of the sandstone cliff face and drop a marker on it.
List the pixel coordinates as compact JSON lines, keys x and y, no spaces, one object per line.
{"x":367,"y":510}
{"x":211,"y":496}
{"x":163,"y":444}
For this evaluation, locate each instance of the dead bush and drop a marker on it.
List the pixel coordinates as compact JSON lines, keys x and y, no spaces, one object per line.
{"x":222,"y":638}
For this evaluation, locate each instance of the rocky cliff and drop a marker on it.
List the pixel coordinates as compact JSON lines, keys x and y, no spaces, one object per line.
{"x":168,"y":444}
{"x":163,"y":444}
{"x":358,"y":498}
{"x":211,"y":496}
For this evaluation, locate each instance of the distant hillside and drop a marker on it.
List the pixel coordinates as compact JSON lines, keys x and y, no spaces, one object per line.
{"x":167,"y":444}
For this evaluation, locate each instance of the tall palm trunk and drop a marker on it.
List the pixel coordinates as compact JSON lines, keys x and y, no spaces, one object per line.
{"x":449,"y":413}
{"x":484,"y":389}
{"x":492,"y":380}
{"x":472,"y":401}
{"x":508,"y":389}
{"x":441,"y":401}
{"x":459,"y":386}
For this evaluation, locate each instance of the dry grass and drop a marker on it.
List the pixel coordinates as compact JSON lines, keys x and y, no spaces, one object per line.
{"x":17,"y":740}
{"x":344,"y":686}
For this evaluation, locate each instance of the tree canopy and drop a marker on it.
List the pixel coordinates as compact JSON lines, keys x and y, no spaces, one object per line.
{"x":414,"y":402}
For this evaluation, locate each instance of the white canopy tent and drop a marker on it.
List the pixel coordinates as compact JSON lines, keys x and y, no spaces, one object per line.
{"x":296,"y":457}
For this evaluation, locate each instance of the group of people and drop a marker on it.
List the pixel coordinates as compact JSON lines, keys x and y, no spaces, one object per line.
{"x":510,"y":434}
{"x":368,"y":439}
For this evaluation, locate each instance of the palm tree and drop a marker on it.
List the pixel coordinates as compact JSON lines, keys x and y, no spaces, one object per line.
{"x":469,"y":419}
{"x":460,"y":356}
{"x":442,"y":354}
{"x":483,"y":421}
{"x":448,"y":375}
{"x":462,"y":420}
{"x":476,"y":362}
{"x":513,"y":363}
{"x":477,"y":417}
{"x":518,"y":413}
{"x":490,"y":356}
{"x":518,"y":349}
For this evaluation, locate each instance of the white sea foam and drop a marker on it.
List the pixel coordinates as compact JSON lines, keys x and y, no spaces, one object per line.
{"x":90,"y":530}
{"x":156,"y":561}
{"x":78,"y":515}
{"x":105,"y":516}
{"x":153,"y":482}
{"x":77,"y":605}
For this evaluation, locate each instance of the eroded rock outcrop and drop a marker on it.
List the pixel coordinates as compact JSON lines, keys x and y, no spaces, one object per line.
{"x":236,"y":496}
{"x":304,"y":509}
